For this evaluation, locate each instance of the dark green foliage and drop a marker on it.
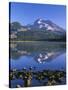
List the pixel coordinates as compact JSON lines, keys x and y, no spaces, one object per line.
{"x":41,"y":35}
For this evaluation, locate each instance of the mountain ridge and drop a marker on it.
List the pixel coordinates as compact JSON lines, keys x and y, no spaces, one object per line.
{"x":39,"y":30}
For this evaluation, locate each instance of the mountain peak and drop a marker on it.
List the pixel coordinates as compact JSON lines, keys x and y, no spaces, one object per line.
{"x":39,"y":20}
{"x":47,"y":25}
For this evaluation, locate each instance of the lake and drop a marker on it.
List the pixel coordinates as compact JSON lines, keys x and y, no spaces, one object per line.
{"x":37,"y":56}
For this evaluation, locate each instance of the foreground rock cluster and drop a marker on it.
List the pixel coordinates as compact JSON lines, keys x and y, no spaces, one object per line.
{"x":47,"y":77}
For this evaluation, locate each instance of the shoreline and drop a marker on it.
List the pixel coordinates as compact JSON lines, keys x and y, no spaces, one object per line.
{"x":40,"y":41}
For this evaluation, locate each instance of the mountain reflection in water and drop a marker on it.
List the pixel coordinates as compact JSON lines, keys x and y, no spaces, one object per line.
{"x":40,"y":51}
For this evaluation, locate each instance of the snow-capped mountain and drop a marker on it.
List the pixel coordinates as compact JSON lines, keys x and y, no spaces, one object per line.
{"x":40,"y":30}
{"x":46,"y":25}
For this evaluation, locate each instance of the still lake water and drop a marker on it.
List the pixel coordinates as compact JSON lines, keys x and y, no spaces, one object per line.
{"x":39,"y":55}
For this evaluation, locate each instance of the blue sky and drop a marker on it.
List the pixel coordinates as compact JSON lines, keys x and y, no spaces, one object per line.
{"x":27,"y":13}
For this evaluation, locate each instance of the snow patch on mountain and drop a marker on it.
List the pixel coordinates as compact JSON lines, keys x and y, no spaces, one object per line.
{"x":50,"y":28}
